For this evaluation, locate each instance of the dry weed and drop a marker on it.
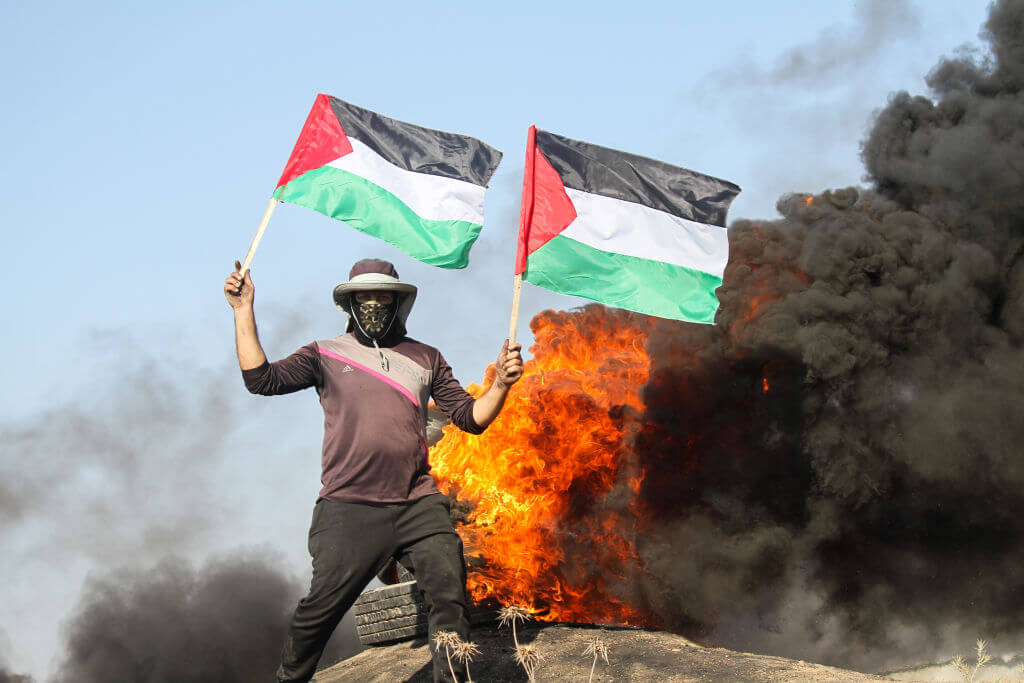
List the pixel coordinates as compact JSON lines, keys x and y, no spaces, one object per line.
{"x":528,"y":657}
{"x":965,"y":669}
{"x":464,"y":652}
{"x":597,"y":648}
{"x":510,"y":615}
{"x":449,"y":640}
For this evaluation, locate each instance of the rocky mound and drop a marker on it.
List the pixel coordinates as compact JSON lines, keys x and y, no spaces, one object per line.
{"x":633,"y":655}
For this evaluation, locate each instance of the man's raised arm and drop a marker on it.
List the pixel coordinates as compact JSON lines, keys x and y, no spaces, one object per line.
{"x":240,"y":294}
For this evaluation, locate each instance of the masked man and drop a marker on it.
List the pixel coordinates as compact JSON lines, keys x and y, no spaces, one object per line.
{"x":378,"y":499}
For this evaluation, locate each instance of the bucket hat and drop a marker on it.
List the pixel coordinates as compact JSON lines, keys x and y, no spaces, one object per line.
{"x":376,"y":275}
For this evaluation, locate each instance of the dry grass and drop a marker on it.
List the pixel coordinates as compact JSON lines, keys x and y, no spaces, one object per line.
{"x":597,"y":648}
{"x":528,"y":657}
{"x":510,"y":615}
{"x":464,"y":652}
{"x":965,"y":669}
{"x":449,"y":640}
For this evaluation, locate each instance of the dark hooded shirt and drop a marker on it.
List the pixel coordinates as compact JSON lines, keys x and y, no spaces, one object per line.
{"x":375,"y":448}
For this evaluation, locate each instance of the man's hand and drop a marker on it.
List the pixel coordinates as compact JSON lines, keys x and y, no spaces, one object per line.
{"x":239,"y":292}
{"x":509,"y":364}
{"x":510,"y":368}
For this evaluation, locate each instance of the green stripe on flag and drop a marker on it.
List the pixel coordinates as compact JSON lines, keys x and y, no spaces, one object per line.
{"x":371,"y":209}
{"x":652,"y":287}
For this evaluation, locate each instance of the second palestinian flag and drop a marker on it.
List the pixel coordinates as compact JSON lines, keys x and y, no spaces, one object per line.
{"x":422,"y":190}
{"x":622,"y":229}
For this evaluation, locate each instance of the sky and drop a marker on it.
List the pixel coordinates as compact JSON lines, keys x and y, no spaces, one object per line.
{"x":141,"y":143}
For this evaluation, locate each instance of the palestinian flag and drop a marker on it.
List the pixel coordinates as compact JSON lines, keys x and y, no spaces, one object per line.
{"x":422,"y":190}
{"x":622,"y":229}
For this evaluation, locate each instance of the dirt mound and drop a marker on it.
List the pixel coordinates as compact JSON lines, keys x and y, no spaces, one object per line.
{"x":634,"y":655}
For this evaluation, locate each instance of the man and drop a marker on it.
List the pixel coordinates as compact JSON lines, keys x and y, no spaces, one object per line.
{"x":378,"y":499}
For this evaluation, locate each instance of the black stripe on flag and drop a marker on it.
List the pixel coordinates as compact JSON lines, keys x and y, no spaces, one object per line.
{"x":419,"y":149}
{"x":611,"y":173}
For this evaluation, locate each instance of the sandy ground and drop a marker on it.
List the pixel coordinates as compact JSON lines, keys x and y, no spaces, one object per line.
{"x":634,"y":655}
{"x":994,"y":671}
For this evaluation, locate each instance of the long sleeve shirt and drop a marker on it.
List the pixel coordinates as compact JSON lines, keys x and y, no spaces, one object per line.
{"x":375,"y":448}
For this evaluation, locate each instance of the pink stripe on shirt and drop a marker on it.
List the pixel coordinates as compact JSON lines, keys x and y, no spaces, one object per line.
{"x":383,"y":378}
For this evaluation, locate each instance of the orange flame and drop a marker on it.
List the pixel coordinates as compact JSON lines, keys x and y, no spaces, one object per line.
{"x":537,"y":476}
{"x":553,"y":483}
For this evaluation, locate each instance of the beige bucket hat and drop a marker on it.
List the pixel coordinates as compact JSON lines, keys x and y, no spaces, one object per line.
{"x":376,"y":275}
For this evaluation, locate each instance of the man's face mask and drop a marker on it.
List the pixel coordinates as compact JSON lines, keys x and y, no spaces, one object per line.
{"x":374,"y":312}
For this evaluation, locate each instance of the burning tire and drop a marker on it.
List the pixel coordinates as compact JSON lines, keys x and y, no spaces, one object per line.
{"x":398,"y":612}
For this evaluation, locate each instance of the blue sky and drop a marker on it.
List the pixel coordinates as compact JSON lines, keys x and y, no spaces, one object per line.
{"x":141,"y":143}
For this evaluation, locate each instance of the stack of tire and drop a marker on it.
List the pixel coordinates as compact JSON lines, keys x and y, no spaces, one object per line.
{"x":389,"y":614}
{"x":398,"y":612}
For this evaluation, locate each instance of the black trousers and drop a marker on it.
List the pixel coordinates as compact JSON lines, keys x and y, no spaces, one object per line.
{"x":350,"y":543}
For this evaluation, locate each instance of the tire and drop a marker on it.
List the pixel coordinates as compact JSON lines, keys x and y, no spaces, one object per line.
{"x":405,"y":593}
{"x":414,"y":620}
{"x":368,"y":618}
{"x":393,"y":636}
{"x":394,"y":613}
{"x":394,"y":572}
{"x":389,"y":614}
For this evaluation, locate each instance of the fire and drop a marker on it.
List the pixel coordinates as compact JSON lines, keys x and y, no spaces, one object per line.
{"x":539,"y":474}
{"x":755,"y":307}
{"x":765,"y":273}
{"x":556,"y":484}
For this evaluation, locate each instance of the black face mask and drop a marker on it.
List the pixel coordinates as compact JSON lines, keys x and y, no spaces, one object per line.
{"x":375,"y":324}
{"x":374,"y":319}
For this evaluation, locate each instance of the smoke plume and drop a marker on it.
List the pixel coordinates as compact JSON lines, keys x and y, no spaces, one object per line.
{"x":136,"y":468}
{"x":834,"y":468}
{"x":223,"y":623}
{"x":8,"y":677}
{"x":843,"y":50}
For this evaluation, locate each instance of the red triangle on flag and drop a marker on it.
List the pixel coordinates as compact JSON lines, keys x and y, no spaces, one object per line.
{"x":546,"y":209}
{"x":321,"y":141}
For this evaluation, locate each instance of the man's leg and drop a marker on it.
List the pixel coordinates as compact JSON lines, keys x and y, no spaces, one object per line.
{"x":348,"y":543}
{"x":426,"y":537}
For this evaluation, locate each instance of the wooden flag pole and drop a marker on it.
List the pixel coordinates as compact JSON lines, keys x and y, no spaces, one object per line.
{"x":525,"y":220}
{"x":517,"y":286}
{"x":259,"y":235}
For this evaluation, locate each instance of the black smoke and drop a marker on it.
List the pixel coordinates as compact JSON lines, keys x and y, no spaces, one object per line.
{"x":7,"y":674}
{"x":133,"y":469}
{"x":836,"y":468}
{"x":222,"y":623}
{"x":225,"y":622}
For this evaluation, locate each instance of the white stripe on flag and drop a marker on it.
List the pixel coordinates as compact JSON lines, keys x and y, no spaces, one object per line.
{"x":632,"y":229}
{"x":431,"y":197}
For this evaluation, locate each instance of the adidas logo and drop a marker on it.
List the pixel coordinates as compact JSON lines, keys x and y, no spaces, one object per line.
{"x":348,"y":368}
